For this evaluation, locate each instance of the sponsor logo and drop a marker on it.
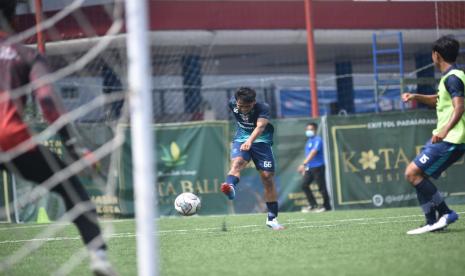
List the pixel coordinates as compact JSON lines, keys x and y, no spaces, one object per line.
{"x":368,"y":160}
{"x":173,"y":157}
{"x":378,"y":200}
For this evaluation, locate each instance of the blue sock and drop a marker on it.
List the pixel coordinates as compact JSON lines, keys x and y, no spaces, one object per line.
{"x":427,"y":195}
{"x":272,"y":209}
{"x":231,"y":179}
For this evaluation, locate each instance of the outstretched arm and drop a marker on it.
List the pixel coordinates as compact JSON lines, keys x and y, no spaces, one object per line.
{"x":52,"y":108}
{"x":49,"y":102}
{"x":429,"y":100}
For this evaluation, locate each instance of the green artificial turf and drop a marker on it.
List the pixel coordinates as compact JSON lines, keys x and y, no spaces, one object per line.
{"x":362,"y":242}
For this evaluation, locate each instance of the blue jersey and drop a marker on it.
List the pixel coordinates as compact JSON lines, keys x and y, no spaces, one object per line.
{"x":315,"y":143}
{"x":453,"y":84}
{"x":246,"y":123}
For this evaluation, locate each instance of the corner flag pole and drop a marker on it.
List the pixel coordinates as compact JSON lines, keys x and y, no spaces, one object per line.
{"x":311,"y":57}
{"x":139,"y":78}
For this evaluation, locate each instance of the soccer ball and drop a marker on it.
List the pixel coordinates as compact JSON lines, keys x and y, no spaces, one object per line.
{"x":187,"y":204}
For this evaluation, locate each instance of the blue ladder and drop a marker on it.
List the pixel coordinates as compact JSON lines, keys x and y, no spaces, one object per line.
{"x":394,"y":66}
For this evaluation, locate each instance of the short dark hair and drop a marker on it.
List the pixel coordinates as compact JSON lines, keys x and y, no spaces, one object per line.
{"x":8,"y":9}
{"x":314,"y":125}
{"x":448,"y":47}
{"x":245,"y":94}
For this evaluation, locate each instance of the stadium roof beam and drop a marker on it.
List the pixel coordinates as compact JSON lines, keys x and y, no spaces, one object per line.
{"x":250,"y":37}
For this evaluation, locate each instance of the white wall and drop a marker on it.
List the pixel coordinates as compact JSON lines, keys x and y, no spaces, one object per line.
{"x":88,"y":88}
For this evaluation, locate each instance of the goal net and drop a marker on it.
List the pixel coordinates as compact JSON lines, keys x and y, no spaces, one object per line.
{"x":87,"y":59}
{"x":194,"y":74}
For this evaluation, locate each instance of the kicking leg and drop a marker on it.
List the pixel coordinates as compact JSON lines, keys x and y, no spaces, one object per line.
{"x":233,"y":177}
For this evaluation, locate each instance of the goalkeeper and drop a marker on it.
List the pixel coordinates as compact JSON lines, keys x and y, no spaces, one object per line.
{"x":20,"y":66}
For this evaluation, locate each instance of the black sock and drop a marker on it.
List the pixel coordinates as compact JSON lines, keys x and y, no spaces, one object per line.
{"x":425,"y":191}
{"x":432,"y":193}
{"x":272,"y":209}
{"x":443,"y":209}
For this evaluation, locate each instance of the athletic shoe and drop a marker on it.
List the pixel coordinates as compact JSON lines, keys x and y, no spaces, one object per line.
{"x":228,"y":190}
{"x":99,"y":264}
{"x":274,"y":224}
{"x":424,"y":229}
{"x":319,"y":210}
{"x":445,"y":220}
{"x":307,"y":209}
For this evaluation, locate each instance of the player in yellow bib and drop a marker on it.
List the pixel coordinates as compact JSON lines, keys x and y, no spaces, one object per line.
{"x":447,"y":144}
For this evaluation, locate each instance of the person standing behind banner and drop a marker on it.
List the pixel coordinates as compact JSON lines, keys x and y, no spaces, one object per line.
{"x":313,"y":168}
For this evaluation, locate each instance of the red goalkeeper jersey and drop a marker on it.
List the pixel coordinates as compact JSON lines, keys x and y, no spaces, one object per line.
{"x":20,"y":66}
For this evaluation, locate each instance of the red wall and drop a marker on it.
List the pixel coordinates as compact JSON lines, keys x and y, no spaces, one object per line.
{"x":289,"y":15}
{"x":279,"y":14}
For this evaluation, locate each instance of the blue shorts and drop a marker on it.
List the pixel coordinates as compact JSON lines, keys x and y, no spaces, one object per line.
{"x":436,"y":158}
{"x":260,"y":153}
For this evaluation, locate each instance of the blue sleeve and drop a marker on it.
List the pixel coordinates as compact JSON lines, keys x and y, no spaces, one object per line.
{"x":317,"y":145}
{"x":232,"y":103}
{"x":454,"y":86}
{"x":263,"y":110}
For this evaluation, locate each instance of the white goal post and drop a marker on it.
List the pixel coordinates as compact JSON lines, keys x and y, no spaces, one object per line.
{"x":139,"y":80}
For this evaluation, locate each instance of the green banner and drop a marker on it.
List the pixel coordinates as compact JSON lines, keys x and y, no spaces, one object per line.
{"x":290,"y":153}
{"x":369,"y":155}
{"x":191,"y":157}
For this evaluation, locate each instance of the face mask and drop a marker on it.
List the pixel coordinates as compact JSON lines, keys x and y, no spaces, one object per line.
{"x":309,"y":133}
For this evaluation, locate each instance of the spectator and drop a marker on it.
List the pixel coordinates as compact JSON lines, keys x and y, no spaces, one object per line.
{"x":313,"y":168}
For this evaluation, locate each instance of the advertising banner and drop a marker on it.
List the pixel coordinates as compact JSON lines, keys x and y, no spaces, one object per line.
{"x":191,"y":157}
{"x":369,"y":155}
{"x":366,"y":154}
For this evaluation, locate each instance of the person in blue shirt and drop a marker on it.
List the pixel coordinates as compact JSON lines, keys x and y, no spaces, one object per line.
{"x":313,"y":168}
{"x":252,"y":141}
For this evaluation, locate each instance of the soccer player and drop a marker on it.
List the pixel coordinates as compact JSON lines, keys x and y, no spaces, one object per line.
{"x":447,"y":144}
{"x":253,"y":140}
{"x":313,"y":168}
{"x":20,"y":66}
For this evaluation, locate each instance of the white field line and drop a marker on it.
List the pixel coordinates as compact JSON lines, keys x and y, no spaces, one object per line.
{"x":216,"y":230}
{"x":289,"y":221}
{"x":359,"y":223}
{"x":42,"y":240}
{"x":29,"y":226}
